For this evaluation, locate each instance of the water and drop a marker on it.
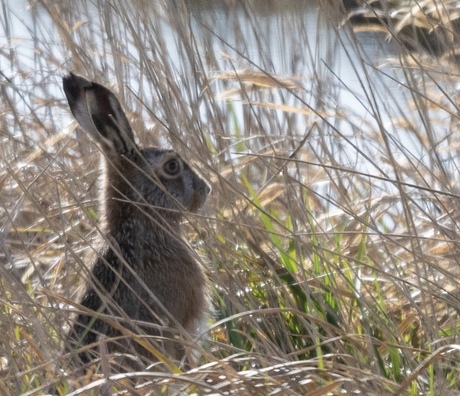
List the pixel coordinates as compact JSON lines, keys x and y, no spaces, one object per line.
{"x":340,"y":73}
{"x":288,"y":37}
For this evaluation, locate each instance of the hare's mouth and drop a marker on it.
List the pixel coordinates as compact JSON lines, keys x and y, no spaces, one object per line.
{"x":196,"y":204}
{"x":198,"y":201}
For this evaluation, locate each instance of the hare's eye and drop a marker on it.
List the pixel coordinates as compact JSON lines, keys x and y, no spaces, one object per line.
{"x":172,"y":167}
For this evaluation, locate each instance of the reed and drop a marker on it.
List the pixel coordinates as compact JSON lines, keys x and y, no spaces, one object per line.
{"x":331,"y":235}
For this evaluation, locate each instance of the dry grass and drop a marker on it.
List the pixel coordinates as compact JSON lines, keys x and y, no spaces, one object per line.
{"x":331,"y":236}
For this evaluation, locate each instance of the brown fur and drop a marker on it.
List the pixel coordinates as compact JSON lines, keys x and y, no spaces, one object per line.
{"x":144,"y":271}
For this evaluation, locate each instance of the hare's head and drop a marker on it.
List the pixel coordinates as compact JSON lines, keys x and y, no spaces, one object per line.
{"x":153,"y":176}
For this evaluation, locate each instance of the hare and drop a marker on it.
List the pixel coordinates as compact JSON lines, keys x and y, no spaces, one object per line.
{"x":144,"y":277}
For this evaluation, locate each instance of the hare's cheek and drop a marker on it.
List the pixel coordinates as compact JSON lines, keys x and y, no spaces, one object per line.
{"x":175,"y":196}
{"x":182,"y":192}
{"x":187,"y":200}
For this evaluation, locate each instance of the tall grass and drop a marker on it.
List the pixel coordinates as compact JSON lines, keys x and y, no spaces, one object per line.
{"x":331,"y":237}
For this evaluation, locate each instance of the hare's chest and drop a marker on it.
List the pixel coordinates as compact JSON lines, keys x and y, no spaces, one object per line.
{"x":178,"y":291}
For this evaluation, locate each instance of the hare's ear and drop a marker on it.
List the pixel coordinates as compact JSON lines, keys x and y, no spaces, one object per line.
{"x":99,"y":112}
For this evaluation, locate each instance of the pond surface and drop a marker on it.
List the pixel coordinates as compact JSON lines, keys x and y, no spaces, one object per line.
{"x":287,"y":37}
{"x":295,"y":39}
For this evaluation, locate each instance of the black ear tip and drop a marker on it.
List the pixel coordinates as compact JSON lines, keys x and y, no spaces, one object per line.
{"x":69,"y":76}
{"x":75,"y":80}
{"x":69,"y":82}
{"x":74,"y":85}
{"x":66,"y":80}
